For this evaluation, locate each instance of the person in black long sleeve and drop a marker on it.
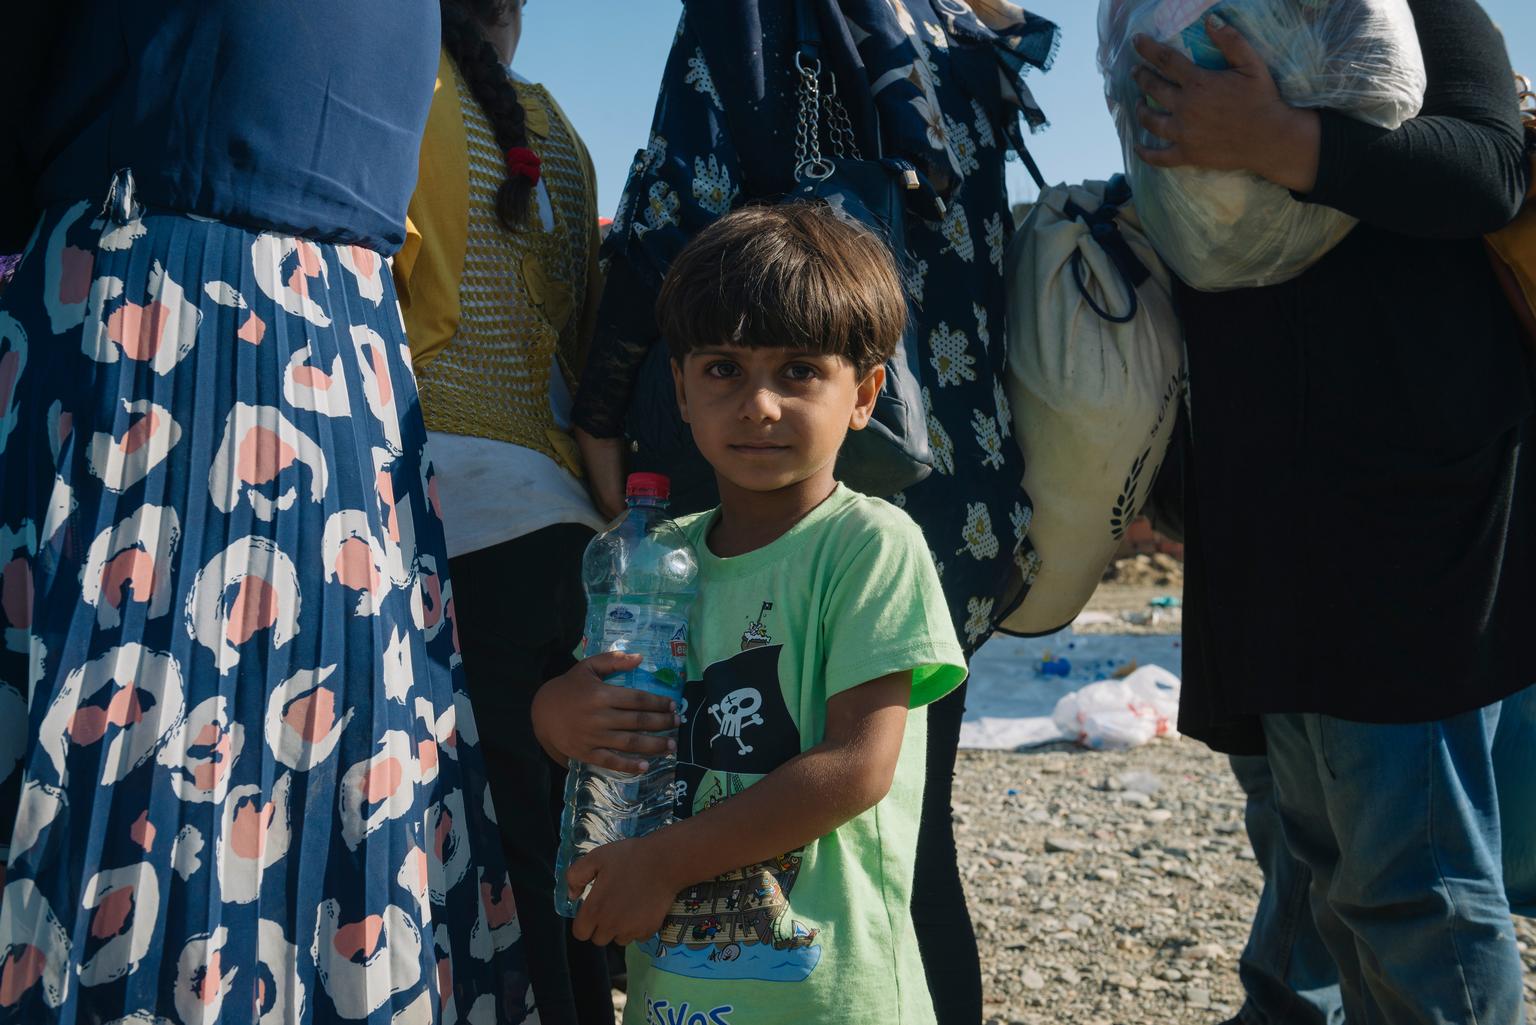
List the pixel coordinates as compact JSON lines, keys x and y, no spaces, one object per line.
{"x":1377,"y":410}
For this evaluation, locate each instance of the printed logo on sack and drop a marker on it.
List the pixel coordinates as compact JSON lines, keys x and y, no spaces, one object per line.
{"x":621,"y":615}
{"x":679,"y":642}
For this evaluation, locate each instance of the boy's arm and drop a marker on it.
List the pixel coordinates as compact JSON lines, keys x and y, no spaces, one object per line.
{"x":634,"y":882}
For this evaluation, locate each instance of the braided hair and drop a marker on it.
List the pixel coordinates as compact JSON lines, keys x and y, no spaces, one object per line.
{"x":491,"y":86}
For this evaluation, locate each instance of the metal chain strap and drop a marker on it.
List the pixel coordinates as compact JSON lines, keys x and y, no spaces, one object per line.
{"x":834,"y":138}
{"x":840,"y":128}
{"x":809,"y":163}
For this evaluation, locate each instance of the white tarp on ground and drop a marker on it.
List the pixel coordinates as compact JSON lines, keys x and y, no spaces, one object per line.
{"x":1010,"y":700}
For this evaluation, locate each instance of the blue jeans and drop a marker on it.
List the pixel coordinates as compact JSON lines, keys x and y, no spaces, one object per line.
{"x":1286,"y":971}
{"x":1398,"y":827}
{"x":1287,"y":974}
{"x":1514,"y":764}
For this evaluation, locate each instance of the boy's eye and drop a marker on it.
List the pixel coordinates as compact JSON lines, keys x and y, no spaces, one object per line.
{"x":801,"y":372}
{"x":722,"y":368}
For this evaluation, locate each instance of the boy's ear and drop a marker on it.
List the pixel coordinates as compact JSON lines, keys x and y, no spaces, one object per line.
{"x":868,"y":390}
{"x":682,"y":392}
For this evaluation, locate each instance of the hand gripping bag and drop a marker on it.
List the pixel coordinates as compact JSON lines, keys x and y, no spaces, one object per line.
{"x":1095,"y":374}
{"x":1231,"y":229}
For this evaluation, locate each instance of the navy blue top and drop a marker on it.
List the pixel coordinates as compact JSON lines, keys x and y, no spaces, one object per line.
{"x":299,"y":116}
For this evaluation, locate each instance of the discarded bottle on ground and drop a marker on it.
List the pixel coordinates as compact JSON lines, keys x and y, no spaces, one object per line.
{"x":641,"y":576}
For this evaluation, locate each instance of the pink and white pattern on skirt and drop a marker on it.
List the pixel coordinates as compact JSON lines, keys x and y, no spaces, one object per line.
{"x":242,"y":780}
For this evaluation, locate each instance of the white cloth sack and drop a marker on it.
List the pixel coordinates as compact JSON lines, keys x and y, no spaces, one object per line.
{"x":1231,"y":229}
{"x":1093,"y":401}
{"x":1117,"y":715}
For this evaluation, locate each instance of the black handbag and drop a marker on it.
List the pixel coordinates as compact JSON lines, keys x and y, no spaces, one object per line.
{"x":892,"y":452}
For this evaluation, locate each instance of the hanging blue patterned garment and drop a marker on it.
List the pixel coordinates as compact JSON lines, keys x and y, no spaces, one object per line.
{"x":250,"y":786}
{"x":937,"y":82}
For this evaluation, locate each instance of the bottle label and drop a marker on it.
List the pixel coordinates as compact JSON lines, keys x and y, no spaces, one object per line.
{"x":653,"y":630}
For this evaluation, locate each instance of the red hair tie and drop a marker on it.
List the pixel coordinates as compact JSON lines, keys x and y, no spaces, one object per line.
{"x":524,"y":162}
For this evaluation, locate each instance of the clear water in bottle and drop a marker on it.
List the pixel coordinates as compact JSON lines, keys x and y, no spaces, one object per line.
{"x":641,"y":576}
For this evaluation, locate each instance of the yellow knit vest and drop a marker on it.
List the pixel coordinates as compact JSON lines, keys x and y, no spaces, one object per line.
{"x":519,"y":291}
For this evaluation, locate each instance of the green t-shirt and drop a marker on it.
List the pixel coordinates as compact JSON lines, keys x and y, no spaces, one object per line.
{"x":823,"y":933}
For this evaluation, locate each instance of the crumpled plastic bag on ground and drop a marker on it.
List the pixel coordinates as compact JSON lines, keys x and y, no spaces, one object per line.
{"x":1117,"y":715}
{"x":1230,"y":229}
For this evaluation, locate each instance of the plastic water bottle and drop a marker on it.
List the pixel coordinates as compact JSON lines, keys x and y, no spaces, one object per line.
{"x":641,"y":576}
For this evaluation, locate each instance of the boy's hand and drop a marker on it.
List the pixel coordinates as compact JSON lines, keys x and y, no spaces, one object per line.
{"x":577,"y":715}
{"x":632,"y":891}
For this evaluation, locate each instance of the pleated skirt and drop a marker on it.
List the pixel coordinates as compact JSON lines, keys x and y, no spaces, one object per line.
{"x":243,"y":783}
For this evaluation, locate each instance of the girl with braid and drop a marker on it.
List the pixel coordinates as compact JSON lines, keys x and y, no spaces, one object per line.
{"x":498,"y":286}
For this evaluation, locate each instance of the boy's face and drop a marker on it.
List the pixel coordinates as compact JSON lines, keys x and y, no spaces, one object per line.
{"x":767,"y":419}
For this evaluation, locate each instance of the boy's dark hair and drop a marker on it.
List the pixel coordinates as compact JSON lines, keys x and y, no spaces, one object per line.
{"x":791,"y":275}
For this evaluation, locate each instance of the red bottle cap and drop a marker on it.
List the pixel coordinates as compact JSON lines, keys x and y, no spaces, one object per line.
{"x":648,"y":485}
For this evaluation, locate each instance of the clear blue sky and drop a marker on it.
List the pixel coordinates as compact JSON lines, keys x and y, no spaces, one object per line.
{"x":604,"y":63}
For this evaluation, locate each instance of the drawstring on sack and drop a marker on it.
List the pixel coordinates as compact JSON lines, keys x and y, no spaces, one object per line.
{"x":1104,"y":230}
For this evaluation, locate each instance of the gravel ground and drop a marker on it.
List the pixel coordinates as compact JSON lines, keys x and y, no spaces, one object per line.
{"x":1113,"y":889}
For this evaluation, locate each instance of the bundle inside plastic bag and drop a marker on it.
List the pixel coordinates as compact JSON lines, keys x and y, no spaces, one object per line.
{"x":1231,"y":229}
{"x":1117,"y":715}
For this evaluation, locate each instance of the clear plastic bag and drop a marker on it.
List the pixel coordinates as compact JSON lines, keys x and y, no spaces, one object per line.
{"x":1117,"y":715}
{"x":1221,"y":230}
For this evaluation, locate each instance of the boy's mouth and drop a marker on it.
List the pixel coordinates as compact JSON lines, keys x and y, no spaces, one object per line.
{"x":758,"y":447}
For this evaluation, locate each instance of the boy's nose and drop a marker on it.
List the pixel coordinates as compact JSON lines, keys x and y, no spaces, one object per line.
{"x":761,"y":404}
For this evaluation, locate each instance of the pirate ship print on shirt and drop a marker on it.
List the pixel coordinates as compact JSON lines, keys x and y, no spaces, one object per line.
{"x":756,"y":635}
{"x":739,"y":925}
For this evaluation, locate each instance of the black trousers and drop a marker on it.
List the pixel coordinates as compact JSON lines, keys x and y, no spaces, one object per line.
{"x":520,"y":610}
{"x":939,"y":914}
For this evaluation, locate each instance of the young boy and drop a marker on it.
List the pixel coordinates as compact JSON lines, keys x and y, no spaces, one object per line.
{"x":781,"y":894}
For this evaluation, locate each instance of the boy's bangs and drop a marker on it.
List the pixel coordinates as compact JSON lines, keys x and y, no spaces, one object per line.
{"x":791,"y":276}
{"x":756,"y":311}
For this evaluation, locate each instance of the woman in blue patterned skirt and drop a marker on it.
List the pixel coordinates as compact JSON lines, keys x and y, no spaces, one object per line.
{"x":243,"y":784}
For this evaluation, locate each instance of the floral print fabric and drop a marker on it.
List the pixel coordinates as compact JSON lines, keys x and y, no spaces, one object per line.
{"x":243,"y":781}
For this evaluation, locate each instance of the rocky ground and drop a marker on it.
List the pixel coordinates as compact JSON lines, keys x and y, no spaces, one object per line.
{"x":1113,"y":889}
{"x":1139,"y":595}
{"x":1158,"y":570}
